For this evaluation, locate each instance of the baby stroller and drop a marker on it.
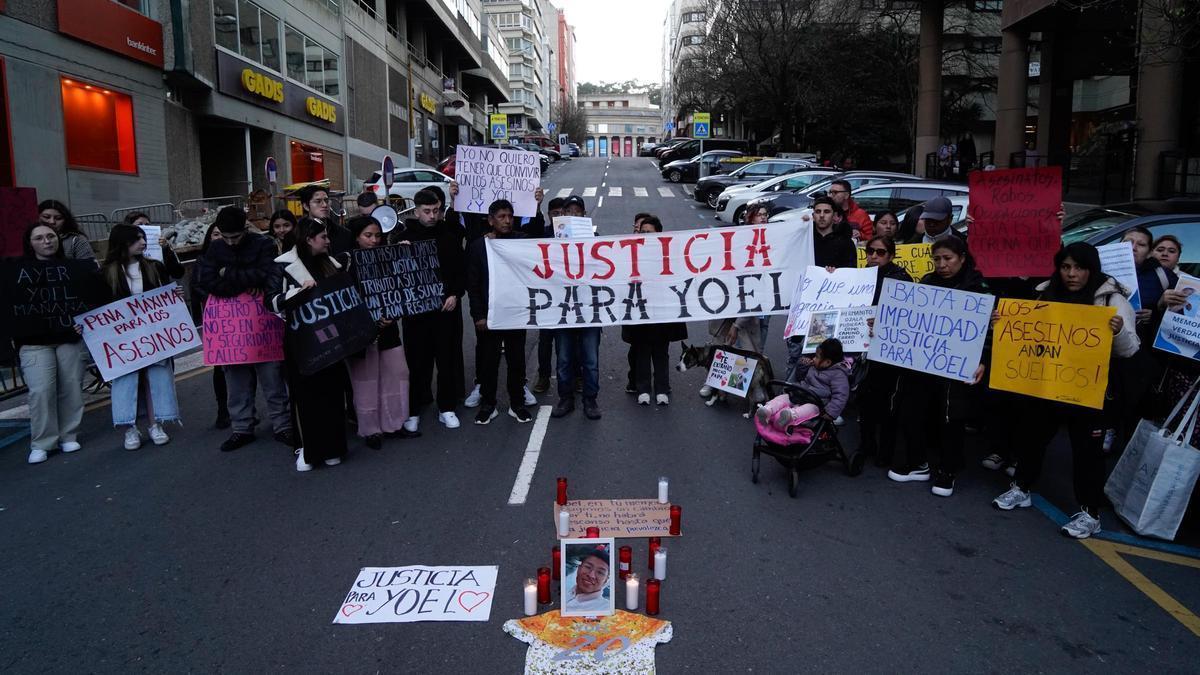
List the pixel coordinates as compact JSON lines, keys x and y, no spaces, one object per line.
{"x":804,"y":446}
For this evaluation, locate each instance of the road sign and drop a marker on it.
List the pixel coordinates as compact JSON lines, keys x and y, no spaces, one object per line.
{"x":551,"y":126}
{"x":700,"y":125}
{"x":499,"y":123}
{"x":388,"y":171}
{"x":670,"y":127}
{"x":272,"y":170}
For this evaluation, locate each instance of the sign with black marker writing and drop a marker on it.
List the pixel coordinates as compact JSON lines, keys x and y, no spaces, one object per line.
{"x":401,"y":280}
{"x":327,"y":323}
{"x":419,"y":593}
{"x":42,"y":297}
{"x":487,"y":174}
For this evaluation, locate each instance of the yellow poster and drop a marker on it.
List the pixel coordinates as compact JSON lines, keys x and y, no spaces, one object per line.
{"x":1052,"y":350}
{"x":913,"y":258}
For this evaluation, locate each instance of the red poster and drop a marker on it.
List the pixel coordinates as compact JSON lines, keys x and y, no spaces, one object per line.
{"x":1016,"y":230}
{"x":18,"y":208}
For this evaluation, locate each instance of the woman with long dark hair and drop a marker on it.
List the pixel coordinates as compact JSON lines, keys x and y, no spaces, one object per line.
{"x":877,"y":393}
{"x":283,"y":223}
{"x":1077,"y":279}
{"x":319,"y":399}
{"x":126,"y":272}
{"x":75,"y":244}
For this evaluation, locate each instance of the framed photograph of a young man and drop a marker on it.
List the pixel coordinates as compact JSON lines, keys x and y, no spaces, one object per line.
{"x":587,"y":577}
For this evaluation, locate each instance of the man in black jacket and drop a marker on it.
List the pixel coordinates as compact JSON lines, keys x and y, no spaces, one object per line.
{"x":317,"y":203}
{"x":494,"y":342}
{"x":832,"y":246}
{"x":435,"y":340}
{"x":244,"y":262}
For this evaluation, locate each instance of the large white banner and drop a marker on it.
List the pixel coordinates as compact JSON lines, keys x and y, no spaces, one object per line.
{"x":691,"y":275}
{"x":487,"y":174}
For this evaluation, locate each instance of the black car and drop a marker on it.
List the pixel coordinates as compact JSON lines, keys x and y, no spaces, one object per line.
{"x":692,"y":146}
{"x":710,"y":187}
{"x":1176,"y":217}
{"x":688,"y":170}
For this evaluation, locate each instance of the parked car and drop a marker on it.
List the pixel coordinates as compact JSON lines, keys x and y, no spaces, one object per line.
{"x":574,"y":148}
{"x":688,"y":170}
{"x":407,"y":182}
{"x":710,"y":187}
{"x":1181,"y":218}
{"x":1081,"y":226}
{"x":731,"y":203}
{"x":673,"y":143}
{"x":802,"y":199}
{"x":550,"y":153}
{"x":691,"y":147}
{"x":898,"y":198}
{"x":647,"y":149}
{"x":446,"y":166}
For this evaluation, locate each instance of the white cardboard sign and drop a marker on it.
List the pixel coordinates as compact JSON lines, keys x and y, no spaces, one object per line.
{"x":821,"y":290}
{"x":487,"y":174}
{"x":848,"y":326}
{"x":1116,"y":260}
{"x":138,"y":331}
{"x":731,"y":372}
{"x":419,"y":593}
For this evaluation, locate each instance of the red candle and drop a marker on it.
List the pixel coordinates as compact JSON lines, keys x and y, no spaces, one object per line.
{"x":543,"y":585}
{"x":655,"y":542}
{"x":556,"y":567}
{"x":676,"y":513}
{"x":593,"y":533}
{"x":653,"y":586}
{"x":626,"y":558}
{"x":562,"y":491}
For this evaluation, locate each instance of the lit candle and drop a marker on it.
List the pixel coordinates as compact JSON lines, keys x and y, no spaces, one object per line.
{"x":543,"y":585}
{"x":676,"y":513}
{"x":626,"y":558}
{"x":530,"y":597}
{"x":556,"y":558}
{"x":660,"y":564}
{"x":593,"y":533}
{"x":631,"y":593}
{"x":653,"y":586}
{"x":655,"y":542}
{"x":564,"y":523}
{"x":662,"y":490}
{"x":562,"y":492}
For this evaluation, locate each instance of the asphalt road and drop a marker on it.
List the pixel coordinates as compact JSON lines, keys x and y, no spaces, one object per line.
{"x":182,"y":558}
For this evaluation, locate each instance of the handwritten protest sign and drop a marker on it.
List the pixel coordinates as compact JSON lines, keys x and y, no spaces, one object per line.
{"x":240,"y":330}
{"x":693,"y":275}
{"x":1116,"y":260}
{"x":912,"y":258}
{"x":1016,"y":230}
{"x":932,"y":330}
{"x":617,"y":517}
{"x":821,"y":290}
{"x":848,"y":326}
{"x":401,"y":280}
{"x":487,"y":174}
{"x":43,"y":297}
{"x":1052,"y":350}
{"x":731,"y":372}
{"x":419,"y":593}
{"x":154,"y":250}
{"x":573,"y":227}
{"x":1179,"y":332}
{"x":328,"y":323}
{"x":138,"y":331}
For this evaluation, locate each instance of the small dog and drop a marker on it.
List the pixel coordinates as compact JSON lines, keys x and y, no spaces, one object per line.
{"x":697,"y":356}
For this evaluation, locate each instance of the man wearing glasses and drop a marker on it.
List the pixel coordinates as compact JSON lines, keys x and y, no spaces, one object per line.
{"x":858,"y":219}
{"x":318,"y":204}
{"x":244,"y":262}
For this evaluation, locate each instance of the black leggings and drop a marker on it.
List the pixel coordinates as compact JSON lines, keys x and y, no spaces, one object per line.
{"x":934,"y":422}
{"x":1085,"y":428}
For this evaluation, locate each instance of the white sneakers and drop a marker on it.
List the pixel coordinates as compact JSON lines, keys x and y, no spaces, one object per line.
{"x":37,"y":456}
{"x":643,"y":399}
{"x":475,"y":397}
{"x":301,"y":465}
{"x":663,"y":399}
{"x":706,"y":391}
{"x":70,"y":446}
{"x":412,"y":424}
{"x":333,"y":461}
{"x":157,"y":435}
{"x":133,"y":438}
{"x":449,"y":419}
{"x":530,"y":399}
{"x":1082,"y":526}
{"x":1014,"y":498}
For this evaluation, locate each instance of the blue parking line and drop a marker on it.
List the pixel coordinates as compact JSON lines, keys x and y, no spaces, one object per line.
{"x":1053,"y":513}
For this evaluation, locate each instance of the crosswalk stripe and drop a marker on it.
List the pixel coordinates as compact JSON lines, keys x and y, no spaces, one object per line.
{"x":665,"y":192}
{"x":639,"y":192}
{"x":563,"y":193}
{"x":589,"y":192}
{"x":614,"y":192}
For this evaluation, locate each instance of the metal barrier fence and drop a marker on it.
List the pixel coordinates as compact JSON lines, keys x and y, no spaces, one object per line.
{"x":94,"y":225}
{"x":190,"y":208}
{"x":159,"y":214}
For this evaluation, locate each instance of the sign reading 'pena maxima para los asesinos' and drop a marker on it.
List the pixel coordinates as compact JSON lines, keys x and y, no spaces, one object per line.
{"x":691,"y":275}
{"x":138,"y":331}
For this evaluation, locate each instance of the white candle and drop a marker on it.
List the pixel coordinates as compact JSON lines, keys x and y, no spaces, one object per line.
{"x":631,"y":592}
{"x":660,"y":563}
{"x":564,"y":523}
{"x":530,"y":597}
{"x":662,"y":490}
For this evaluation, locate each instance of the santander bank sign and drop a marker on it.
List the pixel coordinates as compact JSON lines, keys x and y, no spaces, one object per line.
{"x":114,"y":27}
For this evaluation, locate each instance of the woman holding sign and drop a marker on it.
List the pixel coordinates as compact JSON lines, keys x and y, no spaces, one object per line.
{"x":877,"y":414}
{"x":127,"y":272}
{"x":1078,"y":280}
{"x":934,"y":408}
{"x":379,"y":374}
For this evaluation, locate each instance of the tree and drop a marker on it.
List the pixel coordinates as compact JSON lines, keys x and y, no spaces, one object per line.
{"x":626,"y":87}
{"x":572,"y":121}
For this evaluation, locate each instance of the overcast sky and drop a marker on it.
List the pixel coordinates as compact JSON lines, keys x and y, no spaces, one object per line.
{"x":616,"y":40}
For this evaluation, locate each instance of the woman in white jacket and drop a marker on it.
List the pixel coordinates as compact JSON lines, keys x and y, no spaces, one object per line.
{"x":1077,"y":279}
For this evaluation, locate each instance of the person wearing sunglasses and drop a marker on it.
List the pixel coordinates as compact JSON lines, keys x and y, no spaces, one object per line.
{"x":877,"y":416}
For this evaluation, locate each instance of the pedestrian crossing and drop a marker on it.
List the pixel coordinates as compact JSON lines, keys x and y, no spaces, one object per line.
{"x":636,"y":192}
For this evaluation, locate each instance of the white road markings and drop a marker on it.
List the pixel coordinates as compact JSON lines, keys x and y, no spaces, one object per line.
{"x":639,"y":192}
{"x":665,"y":192}
{"x":600,"y":203}
{"x":614,"y":191}
{"x":533,"y":449}
{"x":563,"y":193}
{"x":589,"y":192}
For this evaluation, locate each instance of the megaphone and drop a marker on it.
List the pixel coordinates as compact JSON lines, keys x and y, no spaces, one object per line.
{"x":386,"y":216}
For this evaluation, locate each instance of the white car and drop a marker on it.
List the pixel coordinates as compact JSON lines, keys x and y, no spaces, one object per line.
{"x":731,"y":204}
{"x":897,"y":198}
{"x":408,"y":182}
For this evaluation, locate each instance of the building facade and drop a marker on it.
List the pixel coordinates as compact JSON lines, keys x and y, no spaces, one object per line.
{"x":684,"y":30}
{"x":618,"y":124}
{"x":525,"y":28}
{"x":567,"y":88}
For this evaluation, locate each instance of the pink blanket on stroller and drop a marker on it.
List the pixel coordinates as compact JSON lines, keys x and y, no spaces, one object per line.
{"x":796,"y":434}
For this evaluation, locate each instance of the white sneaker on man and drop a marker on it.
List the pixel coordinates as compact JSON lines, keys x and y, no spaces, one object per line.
{"x":70,"y":446}
{"x":1082,"y":526}
{"x":301,"y":465}
{"x":133,"y":438}
{"x":412,"y":424}
{"x":474,"y":397}
{"x":663,"y":399}
{"x":1014,"y":498}
{"x":157,"y":435}
{"x":530,"y":399}
{"x":333,"y":461}
{"x":37,"y":456}
{"x":643,"y":399}
{"x":449,"y":419}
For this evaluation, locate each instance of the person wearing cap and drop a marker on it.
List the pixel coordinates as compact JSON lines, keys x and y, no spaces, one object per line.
{"x":242,"y":261}
{"x":936,"y":216}
{"x":317,"y":203}
{"x":586,"y":594}
{"x":366,"y":203}
{"x":578,"y":352}
{"x":858,"y":220}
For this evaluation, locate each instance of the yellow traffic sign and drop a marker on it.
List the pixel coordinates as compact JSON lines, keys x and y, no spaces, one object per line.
{"x":701,"y":127}
{"x":499,"y":124}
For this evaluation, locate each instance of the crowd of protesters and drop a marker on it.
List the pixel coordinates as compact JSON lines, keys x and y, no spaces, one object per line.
{"x":913,"y":424}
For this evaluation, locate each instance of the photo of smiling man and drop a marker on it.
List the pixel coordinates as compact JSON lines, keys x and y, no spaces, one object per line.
{"x":587,"y":579}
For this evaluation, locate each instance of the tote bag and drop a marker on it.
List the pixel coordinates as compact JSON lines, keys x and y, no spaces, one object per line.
{"x":1153,"y":481}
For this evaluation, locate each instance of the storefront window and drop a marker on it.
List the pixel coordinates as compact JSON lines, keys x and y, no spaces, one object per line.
{"x":270,"y":42}
{"x":308,"y":163}
{"x":98,"y":125}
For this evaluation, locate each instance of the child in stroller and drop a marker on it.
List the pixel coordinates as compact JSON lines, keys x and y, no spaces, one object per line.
{"x":825,"y":378}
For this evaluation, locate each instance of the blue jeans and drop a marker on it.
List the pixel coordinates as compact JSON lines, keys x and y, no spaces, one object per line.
{"x":158,"y":380}
{"x":578,"y":350}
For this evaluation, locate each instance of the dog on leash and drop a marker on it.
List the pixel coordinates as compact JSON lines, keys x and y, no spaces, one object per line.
{"x":697,"y":356}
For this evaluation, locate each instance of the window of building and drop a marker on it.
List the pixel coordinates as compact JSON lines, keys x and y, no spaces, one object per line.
{"x":309,"y":63}
{"x":612,"y":104}
{"x":98,"y":126}
{"x":293,"y":44}
{"x":624,"y":104}
{"x":244,"y":28}
{"x":693,"y":40}
{"x":987,"y":5}
{"x":308,"y":163}
{"x":693,"y":17}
